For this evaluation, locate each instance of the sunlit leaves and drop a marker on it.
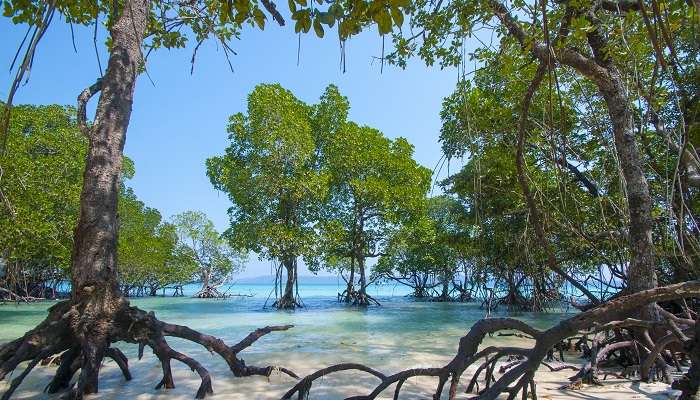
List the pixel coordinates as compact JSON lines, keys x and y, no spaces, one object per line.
{"x":268,"y":172}
{"x":40,"y":185}
{"x":202,"y":251}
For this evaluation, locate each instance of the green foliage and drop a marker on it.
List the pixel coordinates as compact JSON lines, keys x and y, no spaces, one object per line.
{"x":425,"y":251}
{"x":479,"y":123}
{"x":306,"y":182}
{"x":40,"y":182}
{"x":268,"y":172}
{"x":170,"y":22}
{"x":202,"y":252}
{"x":147,"y":247}
{"x":571,"y":164}
{"x":375,"y":185}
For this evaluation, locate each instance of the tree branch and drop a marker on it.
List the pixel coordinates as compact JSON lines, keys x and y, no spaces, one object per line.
{"x":272,"y":9}
{"x":83,"y":99}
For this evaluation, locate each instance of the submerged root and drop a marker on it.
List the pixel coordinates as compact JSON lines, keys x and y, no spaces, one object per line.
{"x":62,"y":337}
{"x":287,"y":303}
{"x":517,"y":379}
{"x":357,"y":298}
{"x":208,"y":292}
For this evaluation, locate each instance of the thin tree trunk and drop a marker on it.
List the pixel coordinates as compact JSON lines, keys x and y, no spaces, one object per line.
{"x":350,"y":290}
{"x":288,"y":300}
{"x":205,"y":279}
{"x":362,"y":295}
{"x":445,"y":288}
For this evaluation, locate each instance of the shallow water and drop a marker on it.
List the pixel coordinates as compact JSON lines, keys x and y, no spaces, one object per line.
{"x":401,"y":333}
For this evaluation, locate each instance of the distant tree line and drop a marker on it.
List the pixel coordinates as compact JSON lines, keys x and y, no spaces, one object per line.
{"x":40,"y":184}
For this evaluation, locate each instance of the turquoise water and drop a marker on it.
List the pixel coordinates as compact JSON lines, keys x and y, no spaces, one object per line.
{"x":401,"y":333}
{"x":306,"y":291}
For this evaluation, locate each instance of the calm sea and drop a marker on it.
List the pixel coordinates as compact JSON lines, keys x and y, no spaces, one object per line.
{"x":401,"y":333}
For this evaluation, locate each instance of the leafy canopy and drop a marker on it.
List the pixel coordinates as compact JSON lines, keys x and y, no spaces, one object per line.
{"x":268,"y":172}
{"x":202,"y":249}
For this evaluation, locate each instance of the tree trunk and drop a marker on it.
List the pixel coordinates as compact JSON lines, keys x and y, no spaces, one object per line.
{"x":204,"y":291}
{"x":642,"y":271}
{"x":94,"y":257}
{"x":362,"y":298}
{"x":288,"y":300}
{"x":350,"y":290}
{"x":445,"y":295}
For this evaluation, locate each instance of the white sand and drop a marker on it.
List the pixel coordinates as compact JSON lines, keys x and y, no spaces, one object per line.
{"x":147,"y":373}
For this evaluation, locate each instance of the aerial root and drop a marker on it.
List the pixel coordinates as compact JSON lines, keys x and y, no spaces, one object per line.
{"x":18,"y":380}
{"x":210,"y":292}
{"x":518,"y":372}
{"x":55,"y":342}
{"x":121,"y":360}
{"x":287,"y":303}
{"x":68,"y":366}
{"x":165,"y":353}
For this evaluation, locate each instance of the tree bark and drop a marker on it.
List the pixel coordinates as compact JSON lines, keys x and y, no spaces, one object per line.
{"x":94,"y":280}
{"x":601,"y":70}
{"x":350,"y":290}
{"x":288,"y":300}
{"x":94,"y":257}
{"x":362,"y":294}
{"x":641,"y":273}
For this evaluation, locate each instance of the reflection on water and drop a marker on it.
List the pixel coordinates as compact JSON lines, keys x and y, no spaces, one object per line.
{"x":401,"y":333}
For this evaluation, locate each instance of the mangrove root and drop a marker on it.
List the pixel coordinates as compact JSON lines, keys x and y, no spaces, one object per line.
{"x":78,"y":335}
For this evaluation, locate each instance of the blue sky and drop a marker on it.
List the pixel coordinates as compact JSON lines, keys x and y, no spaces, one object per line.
{"x":180,"y":120}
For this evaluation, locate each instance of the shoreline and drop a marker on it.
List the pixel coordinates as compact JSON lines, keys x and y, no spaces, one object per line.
{"x":146,"y":373}
{"x":399,"y":335}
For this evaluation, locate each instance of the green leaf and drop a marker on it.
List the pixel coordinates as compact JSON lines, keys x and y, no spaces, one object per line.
{"x":383,"y":20}
{"x":336,"y":10}
{"x":318,"y":28}
{"x":397,"y":15}
{"x":259,"y":18}
{"x":326,"y":18}
{"x":240,"y":17}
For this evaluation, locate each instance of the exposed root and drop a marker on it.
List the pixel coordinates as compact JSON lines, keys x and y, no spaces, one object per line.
{"x":517,"y":375}
{"x":287,"y":303}
{"x":357,"y":298}
{"x":6,"y":294}
{"x":121,"y":360}
{"x":208,"y":292}
{"x":59,"y":336}
{"x":689,"y":384}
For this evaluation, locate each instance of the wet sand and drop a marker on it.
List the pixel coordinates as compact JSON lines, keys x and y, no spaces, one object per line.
{"x":399,"y":335}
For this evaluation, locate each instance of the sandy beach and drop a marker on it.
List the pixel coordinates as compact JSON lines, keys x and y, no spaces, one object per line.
{"x":398,"y":335}
{"x":147,"y":373}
